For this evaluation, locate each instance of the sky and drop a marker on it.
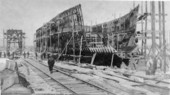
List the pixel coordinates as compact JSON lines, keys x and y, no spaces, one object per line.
{"x":29,"y":15}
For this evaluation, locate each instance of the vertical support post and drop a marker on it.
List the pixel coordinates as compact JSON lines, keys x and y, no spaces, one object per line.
{"x":117,"y":35}
{"x":154,"y":66}
{"x":50,"y":38}
{"x":58,"y":42}
{"x":146,"y":23}
{"x":66,"y":47}
{"x":34,"y":41}
{"x":95,"y":40}
{"x":80,"y":49}
{"x":40,"y":41}
{"x":93,"y":58}
{"x":39,"y":38}
{"x":160,"y":28}
{"x":58,"y":38}
{"x":112,"y":40}
{"x":7,"y":43}
{"x":73,"y":38}
{"x":160,"y":24}
{"x":44,"y":41}
{"x":73,"y":46}
{"x":37,"y":41}
{"x":153,"y":22}
{"x":20,"y":42}
{"x":142,"y":27}
{"x":3,"y":39}
{"x":164,"y":41}
{"x":112,"y":61}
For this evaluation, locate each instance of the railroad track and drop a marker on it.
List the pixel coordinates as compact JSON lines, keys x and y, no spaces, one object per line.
{"x":66,"y":83}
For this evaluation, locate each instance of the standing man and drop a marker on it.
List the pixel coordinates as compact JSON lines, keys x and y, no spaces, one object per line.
{"x":8,"y":54}
{"x":51,"y":63}
{"x":28,"y":54}
{"x":4,"y":55}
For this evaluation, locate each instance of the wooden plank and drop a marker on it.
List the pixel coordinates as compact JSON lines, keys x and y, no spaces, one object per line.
{"x":79,"y":86}
{"x":144,"y":77}
{"x":84,"y":89}
{"x":73,"y":82}
{"x":87,"y":92}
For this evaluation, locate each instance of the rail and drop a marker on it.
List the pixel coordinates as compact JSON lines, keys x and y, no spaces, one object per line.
{"x":67,"y":74}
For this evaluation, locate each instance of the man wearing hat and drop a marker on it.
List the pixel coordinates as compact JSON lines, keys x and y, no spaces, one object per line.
{"x":51,"y":62}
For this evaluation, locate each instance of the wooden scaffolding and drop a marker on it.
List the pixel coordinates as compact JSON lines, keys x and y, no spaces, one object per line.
{"x":157,"y":50}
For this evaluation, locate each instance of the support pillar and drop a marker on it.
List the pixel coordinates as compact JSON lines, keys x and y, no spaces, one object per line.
{"x":93,"y":58}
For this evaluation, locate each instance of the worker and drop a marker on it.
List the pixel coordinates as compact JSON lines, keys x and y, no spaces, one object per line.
{"x":24,"y":54}
{"x":8,"y":54}
{"x":51,"y":63}
{"x":4,"y":55}
{"x":28,"y":54}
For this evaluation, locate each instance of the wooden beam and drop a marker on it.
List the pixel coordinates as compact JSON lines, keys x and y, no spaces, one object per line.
{"x":112,"y":61}
{"x":153,"y":23}
{"x":160,"y":23}
{"x":142,"y":28}
{"x":64,"y":48}
{"x":164,"y":41}
{"x":160,"y":28}
{"x":80,"y":49}
{"x":154,"y":65}
{"x":73,"y":30}
{"x":93,"y":58}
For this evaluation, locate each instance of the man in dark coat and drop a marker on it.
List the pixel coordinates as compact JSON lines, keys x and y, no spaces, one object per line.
{"x":51,"y":62}
{"x":4,"y":55}
{"x":28,"y":54}
{"x":24,"y":54}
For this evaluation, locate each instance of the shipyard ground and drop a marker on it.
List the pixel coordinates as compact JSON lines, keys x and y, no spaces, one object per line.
{"x":102,"y":79}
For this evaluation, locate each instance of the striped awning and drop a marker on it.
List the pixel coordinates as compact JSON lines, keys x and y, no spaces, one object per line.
{"x":102,"y":49}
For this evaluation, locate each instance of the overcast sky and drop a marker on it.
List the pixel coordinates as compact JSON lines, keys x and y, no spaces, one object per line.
{"x":29,"y":15}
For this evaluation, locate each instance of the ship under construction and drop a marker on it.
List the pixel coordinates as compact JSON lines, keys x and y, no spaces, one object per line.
{"x":70,"y":58}
{"x":109,"y":43}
